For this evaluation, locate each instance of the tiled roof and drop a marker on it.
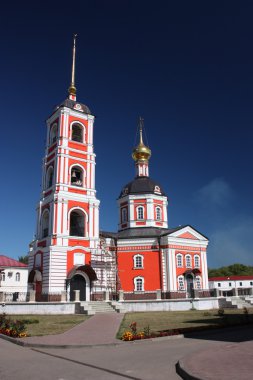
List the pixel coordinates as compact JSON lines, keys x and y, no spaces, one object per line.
{"x":8,"y":262}
{"x":143,"y":232}
{"x":233,"y":278}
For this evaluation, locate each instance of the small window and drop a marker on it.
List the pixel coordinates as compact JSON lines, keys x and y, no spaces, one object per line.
{"x":240,"y":283}
{"x":53,"y":133}
{"x":138,"y":261}
{"x":124,"y":215}
{"x":140,"y":212}
{"x":229,"y":284}
{"x":179,"y":261}
{"x":196,"y":261}
{"x":77,"y":133}
{"x":2,"y":276}
{"x":198,"y":282}
{"x":181,"y":285}
{"x":17,"y":276}
{"x":251,"y":283}
{"x":49,"y":177}
{"x":45,"y":224}
{"x":76,"y":176}
{"x":219,"y":284}
{"x":188,"y":261}
{"x":139,"y":284}
{"x":158,"y":213}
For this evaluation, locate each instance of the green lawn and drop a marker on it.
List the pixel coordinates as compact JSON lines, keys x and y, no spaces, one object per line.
{"x":49,"y":324}
{"x":158,"y":321}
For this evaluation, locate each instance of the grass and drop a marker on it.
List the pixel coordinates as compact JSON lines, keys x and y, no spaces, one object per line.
{"x":39,"y":325}
{"x":159,"y":321}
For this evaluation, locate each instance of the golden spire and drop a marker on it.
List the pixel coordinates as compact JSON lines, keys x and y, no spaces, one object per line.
{"x":72,"y":87}
{"x":141,"y":152}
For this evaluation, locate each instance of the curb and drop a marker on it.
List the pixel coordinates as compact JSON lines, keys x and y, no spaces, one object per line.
{"x":181,"y":371}
{"x":120,"y":343}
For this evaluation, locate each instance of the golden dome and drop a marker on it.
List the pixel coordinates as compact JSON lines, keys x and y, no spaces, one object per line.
{"x":141,"y":152}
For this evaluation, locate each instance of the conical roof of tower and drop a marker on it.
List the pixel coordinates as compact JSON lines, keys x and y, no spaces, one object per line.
{"x":142,"y":185}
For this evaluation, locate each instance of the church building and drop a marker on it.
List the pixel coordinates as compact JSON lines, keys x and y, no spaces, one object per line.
{"x":143,"y":260}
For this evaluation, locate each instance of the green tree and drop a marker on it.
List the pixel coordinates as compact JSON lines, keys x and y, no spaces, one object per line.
{"x":231,"y":270}
{"x":23,"y":259}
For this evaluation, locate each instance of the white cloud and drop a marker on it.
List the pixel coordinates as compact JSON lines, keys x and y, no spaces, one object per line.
{"x":218,"y":192}
{"x":232,"y":244}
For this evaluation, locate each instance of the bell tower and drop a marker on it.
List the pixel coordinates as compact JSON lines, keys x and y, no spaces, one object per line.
{"x":67,"y":231}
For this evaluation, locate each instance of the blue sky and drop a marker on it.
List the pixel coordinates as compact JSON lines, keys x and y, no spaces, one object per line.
{"x":185,"y":67}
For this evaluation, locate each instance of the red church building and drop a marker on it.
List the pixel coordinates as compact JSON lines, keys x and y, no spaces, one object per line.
{"x":143,"y":259}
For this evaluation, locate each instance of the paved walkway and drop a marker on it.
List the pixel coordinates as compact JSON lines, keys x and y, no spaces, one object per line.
{"x":98,"y":330}
{"x":226,"y":360}
{"x":230,"y":355}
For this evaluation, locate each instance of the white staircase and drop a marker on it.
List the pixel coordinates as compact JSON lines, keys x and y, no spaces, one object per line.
{"x":94,"y":307}
{"x":240,"y":302}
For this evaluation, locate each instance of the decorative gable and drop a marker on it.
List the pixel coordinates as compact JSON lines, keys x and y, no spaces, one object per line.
{"x":187,"y":235}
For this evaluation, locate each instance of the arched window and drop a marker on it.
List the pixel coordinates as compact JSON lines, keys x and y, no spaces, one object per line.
{"x":140,"y":212}
{"x":158,"y":213}
{"x":53,"y":133}
{"x":17,"y":276}
{"x":45,"y":223}
{"x":198,"y":282}
{"x":138,"y":284}
{"x":76,"y":176}
{"x":2,"y":276}
{"x":196,"y":261}
{"x":188,"y":261}
{"x":124,"y":215}
{"x":77,"y":133}
{"x":180,"y":281}
{"x":138,"y":261}
{"x":179,"y":258}
{"x":49,"y":177}
{"x":77,"y":223}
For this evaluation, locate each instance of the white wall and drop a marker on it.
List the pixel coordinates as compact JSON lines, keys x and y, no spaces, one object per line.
{"x":10,"y":284}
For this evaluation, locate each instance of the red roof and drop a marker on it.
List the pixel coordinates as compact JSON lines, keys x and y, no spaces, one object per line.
{"x":8,"y":262}
{"x":233,"y":278}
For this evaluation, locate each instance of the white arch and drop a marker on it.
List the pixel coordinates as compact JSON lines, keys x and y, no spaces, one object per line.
{"x":87,"y":284}
{"x":138,"y":263}
{"x":137,"y":212}
{"x":86,"y":220}
{"x":50,"y":170}
{"x":196,"y":258}
{"x":188,"y":257}
{"x":158,"y":213}
{"x":53,"y":133}
{"x":45,"y":233}
{"x":77,"y":122}
{"x":179,"y":257}
{"x":83,"y":173}
{"x":142,"y":284}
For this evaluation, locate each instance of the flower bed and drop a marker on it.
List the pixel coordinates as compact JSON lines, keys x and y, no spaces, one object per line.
{"x":14,"y":329}
{"x":133,"y":334}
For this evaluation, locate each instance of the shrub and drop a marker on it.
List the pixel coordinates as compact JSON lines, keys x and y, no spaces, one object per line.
{"x":221,"y":312}
{"x":14,"y":329}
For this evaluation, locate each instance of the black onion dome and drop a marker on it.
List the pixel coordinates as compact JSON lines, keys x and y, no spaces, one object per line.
{"x":142,"y":185}
{"x":75,"y":106}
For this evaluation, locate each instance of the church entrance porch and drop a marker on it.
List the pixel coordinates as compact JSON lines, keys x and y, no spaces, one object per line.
{"x":80,"y":278}
{"x":189,"y":286}
{"x":78,"y":282}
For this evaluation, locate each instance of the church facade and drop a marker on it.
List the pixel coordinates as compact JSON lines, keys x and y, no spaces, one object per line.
{"x":144,"y":258}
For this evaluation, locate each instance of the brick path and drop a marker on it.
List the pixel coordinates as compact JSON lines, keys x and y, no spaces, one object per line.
{"x":97,"y":330}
